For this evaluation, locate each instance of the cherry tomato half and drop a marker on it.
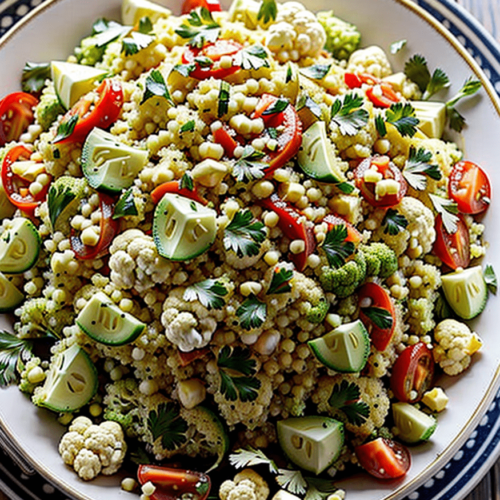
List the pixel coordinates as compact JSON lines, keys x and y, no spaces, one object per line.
{"x":469,"y":187}
{"x":174,"y":484}
{"x":384,"y":458}
{"x":412,"y":373}
{"x":377,"y":190}
{"x":104,"y":113}
{"x":452,"y":249}
{"x":355,"y":80}
{"x":211,"y":5}
{"x":372,"y":295}
{"x":207,"y":59}
{"x":16,"y":114}
{"x":382,"y":95}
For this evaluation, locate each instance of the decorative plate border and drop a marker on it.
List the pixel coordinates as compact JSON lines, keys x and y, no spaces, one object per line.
{"x":468,"y":466}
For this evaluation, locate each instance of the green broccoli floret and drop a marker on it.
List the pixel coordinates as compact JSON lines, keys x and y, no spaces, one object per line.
{"x":344,"y":280}
{"x":89,"y":53}
{"x":318,"y":311}
{"x":381,"y":260}
{"x":48,"y":109}
{"x":342,"y":38}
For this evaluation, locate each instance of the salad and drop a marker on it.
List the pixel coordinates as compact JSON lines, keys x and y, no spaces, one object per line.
{"x":241,"y":238}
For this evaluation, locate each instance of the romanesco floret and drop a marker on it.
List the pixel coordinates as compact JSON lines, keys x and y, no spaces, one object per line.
{"x":372,"y":60}
{"x":48,"y":109}
{"x":380,"y":260}
{"x":344,"y":280}
{"x":93,"y":449}
{"x":454,"y":345}
{"x":342,"y":38}
{"x":246,"y":485}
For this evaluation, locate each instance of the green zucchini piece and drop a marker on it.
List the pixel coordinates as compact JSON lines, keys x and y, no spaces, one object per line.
{"x":104,"y":322}
{"x":312,"y":442}
{"x":10,"y":295}
{"x":183,"y":228}
{"x":71,"y":381}
{"x":345,"y":349}
{"x":108,"y":164}
{"x":19,"y":246}
{"x":412,"y":424}
{"x":466,"y":291}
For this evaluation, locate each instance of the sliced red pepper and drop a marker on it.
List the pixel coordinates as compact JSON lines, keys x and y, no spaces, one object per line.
{"x":356,"y":80}
{"x":293,"y":228}
{"x":175,"y":188}
{"x":384,"y":98}
{"x":16,"y":115}
{"x":223,"y":137}
{"x":211,"y":5}
{"x":104,"y":113}
{"x":109,"y":229}
{"x":352,"y":233}
{"x":186,"y":358}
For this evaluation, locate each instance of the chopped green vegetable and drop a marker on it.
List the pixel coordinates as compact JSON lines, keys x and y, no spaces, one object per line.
{"x":347,"y":113}
{"x":13,"y":353}
{"x":165,"y":423}
{"x":280,"y":282}
{"x":337,"y":250}
{"x":210,"y":293}
{"x":252,"y":313}
{"x":244,"y":235}
{"x":201,"y":28}
{"x":417,"y":168}
{"x":346,"y":398}
{"x":156,"y":87}
{"x":448,"y":210}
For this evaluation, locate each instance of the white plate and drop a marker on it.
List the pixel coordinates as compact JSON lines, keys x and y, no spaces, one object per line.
{"x":56,"y":27}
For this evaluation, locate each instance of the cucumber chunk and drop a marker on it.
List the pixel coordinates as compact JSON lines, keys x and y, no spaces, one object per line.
{"x":10,"y":295}
{"x":412,"y":424}
{"x":345,"y":349}
{"x":108,"y":164}
{"x":72,"y":81}
{"x":313,"y":442}
{"x":71,"y":381}
{"x":134,"y":10}
{"x":466,"y":291}
{"x":106,"y":323}
{"x":431,"y":116}
{"x":183,"y":228}
{"x":19,"y":247}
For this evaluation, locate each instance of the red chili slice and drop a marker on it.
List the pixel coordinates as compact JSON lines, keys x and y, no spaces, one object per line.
{"x":174,"y":187}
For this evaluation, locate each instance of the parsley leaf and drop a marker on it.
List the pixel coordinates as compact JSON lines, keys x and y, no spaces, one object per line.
{"x":268,"y":11}
{"x":201,"y":28}
{"x":348,"y":114}
{"x":319,"y":489}
{"x":380,"y":126}
{"x":252,"y":58}
{"x":292,"y":481}
{"x":13,"y":352}
{"x":280,"y":282}
{"x":156,"y":87}
{"x":188,"y":126}
{"x":439,"y":80}
{"x":61,"y":194}
{"x":184,"y":69}
{"x":165,"y":423}
{"x":336,"y":248}
{"x":394,"y":222}
{"x":346,"y":398}
{"x":34,"y":76}
{"x":125,"y":205}
{"x":244,"y":234}
{"x":416,"y":69}
{"x":209,"y":293}
{"x":455,"y":120}
{"x":224,"y":96}
{"x":402,"y":116}
{"x":65,"y":128}
{"x":316,"y":71}
{"x":251,"y":457}
{"x":248,"y":167}
{"x":276,"y":107}
{"x":136,"y":42}
{"x":186,"y":182}
{"x":490,"y":278}
{"x":448,"y":211}
{"x":379,"y":316}
{"x":397,"y":46}
{"x":252,"y":313}
{"x":418,"y":168}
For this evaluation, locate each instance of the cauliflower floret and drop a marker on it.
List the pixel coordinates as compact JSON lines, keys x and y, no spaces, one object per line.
{"x":372,"y":60}
{"x":246,"y":485}
{"x":93,"y":449}
{"x":296,"y":33}
{"x":455,"y":344}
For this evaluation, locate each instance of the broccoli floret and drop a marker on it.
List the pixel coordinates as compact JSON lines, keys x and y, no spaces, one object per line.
{"x":318,"y":312}
{"x":342,"y":38}
{"x":48,"y":109}
{"x":89,"y":53}
{"x":344,"y":280}
{"x":121,"y":404}
{"x":381,"y":260}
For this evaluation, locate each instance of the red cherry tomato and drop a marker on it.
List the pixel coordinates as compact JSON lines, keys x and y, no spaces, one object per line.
{"x":371,"y":295}
{"x":212,"y":52}
{"x":352,"y":233}
{"x":382,"y":95}
{"x":384,"y":458}
{"x":211,"y":5}
{"x":412,"y":373}
{"x":469,"y":187}
{"x":16,"y":114}
{"x":388,"y":170}
{"x":104,"y":113}
{"x":452,"y":249}
{"x":355,"y":80}
{"x":174,"y":484}
{"x":174,"y":187}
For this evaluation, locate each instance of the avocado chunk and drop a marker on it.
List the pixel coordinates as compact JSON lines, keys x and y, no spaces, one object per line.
{"x":312,"y":442}
{"x":106,"y":323}
{"x":412,"y":424}
{"x":183,"y":228}
{"x":72,"y":81}
{"x":345,"y":349}
{"x":71,"y":381}
{"x":19,"y":247}
{"x":108,"y":164}
{"x":10,"y":295}
{"x":466,"y":291}
{"x":134,"y":10}
{"x":431,"y":116}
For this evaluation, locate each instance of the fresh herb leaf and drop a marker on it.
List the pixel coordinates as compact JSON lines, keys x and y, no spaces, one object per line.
{"x":289,"y":73}
{"x":418,"y":168}
{"x":490,"y":278}
{"x":397,"y":46}
{"x":248,"y":167}
{"x":380,"y":126}
{"x":210,"y":293}
{"x":125,"y":205}
{"x":204,"y":61}
{"x":252,"y":58}
{"x":346,"y":398}
{"x":402,"y":116}
{"x":439,"y":80}
{"x":316,"y":71}
{"x":156,"y":87}
{"x":184,"y":69}
{"x":188,"y":126}
{"x":34,"y":76}
{"x":448,"y":211}
{"x":201,"y":28}
{"x":455,"y":120}
{"x":58,"y":198}
{"x":13,"y":352}
{"x":319,"y":489}
{"x":186,"y":182}
{"x":348,"y":114}
{"x":417,"y":71}
{"x":278,"y":106}
{"x":105,"y":32}
{"x":394,"y":222}
{"x":145,"y":25}
{"x":65,"y":128}
{"x":292,"y":481}
{"x":307,"y":102}
{"x":280,"y":282}
{"x":379,"y":316}
{"x":166,"y":423}
{"x":336,"y":248}
{"x":224,"y":96}
{"x":135,"y":43}
{"x":268,"y":11}
{"x":252,"y":313}
{"x":250,"y":457}
{"x":244,"y":234}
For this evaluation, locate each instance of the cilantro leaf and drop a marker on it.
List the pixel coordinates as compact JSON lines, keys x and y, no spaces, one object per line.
{"x":251,"y":457}
{"x":292,"y":481}
{"x":166,"y":423}
{"x":209,"y":293}
{"x":66,"y":128}
{"x":394,"y":222}
{"x":224,"y":96}
{"x":156,"y":87}
{"x":61,"y":194}
{"x":201,"y":28}
{"x":125,"y":205}
{"x":417,"y":71}
{"x":448,"y":211}
{"x":418,"y":168}
{"x":252,"y":313}
{"x":184,"y":69}
{"x":397,"y":46}
{"x":402,"y":116}
{"x":319,"y":488}
{"x":336,"y":248}
{"x":34,"y":76}
{"x":244,"y":234}
{"x":252,"y":58}
{"x":379,"y":316}
{"x":348,"y":114}
{"x":136,"y":42}
{"x":186,"y":182}
{"x":346,"y":398}
{"x":237,"y":359}
{"x":439,"y":80}
{"x":13,"y":352}
{"x":280,"y":282}
{"x":455,"y":120}
{"x":188,"y":126}
{"x":268,"y":11}
{"x":380,"y":126}
{"x":490,"y":278}
{"x":276,"y":107}
{"x":316,"y":71}
{"x":248,"y":167}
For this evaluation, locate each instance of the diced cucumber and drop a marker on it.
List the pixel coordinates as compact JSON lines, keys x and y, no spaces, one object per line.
{"x":431,"y":116}
{"x":10,"y":295}
{"x":466,"y":291}
{"x":183,"y":228}
{"x":108,"y":164}
{"x":72,"y":81}
{"x":106,"y":323}
{"x":134,"y":10}
{"x":412,"y":424}
{"x":71,"y":381}
{"x":312,"y":442}
{"x":345,"y":349}
{"x":316,"y":156}
{"x":19,"y":247}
